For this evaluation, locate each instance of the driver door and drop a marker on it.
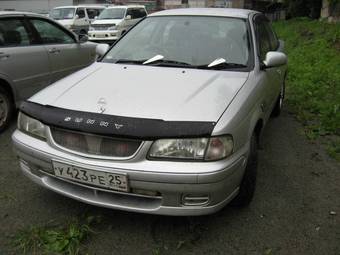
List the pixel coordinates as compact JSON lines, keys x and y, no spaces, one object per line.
{"x":22,"y":62}
{"x":64,"y":53}
{"x":272,"y":77}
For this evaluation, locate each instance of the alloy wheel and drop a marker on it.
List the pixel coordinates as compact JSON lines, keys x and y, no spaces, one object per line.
{"x":3,"y":109}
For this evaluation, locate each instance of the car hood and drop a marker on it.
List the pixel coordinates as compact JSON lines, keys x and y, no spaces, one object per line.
{"x":106,"y":21}
{"x":65,"y":22}
{"x":172,"y":94}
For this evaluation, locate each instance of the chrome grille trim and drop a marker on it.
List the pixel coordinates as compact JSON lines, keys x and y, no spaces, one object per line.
{"x":102,"y":27}
{"x":54,"y":143}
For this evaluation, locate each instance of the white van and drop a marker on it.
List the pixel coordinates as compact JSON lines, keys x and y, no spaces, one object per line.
{"x":76,"y":18}
{"x":115,"y":21}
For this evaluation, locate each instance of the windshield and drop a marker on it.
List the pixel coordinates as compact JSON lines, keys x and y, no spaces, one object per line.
{"x":190,"y":40}
{"x":112,"y":13}
{"x":62,"y":13}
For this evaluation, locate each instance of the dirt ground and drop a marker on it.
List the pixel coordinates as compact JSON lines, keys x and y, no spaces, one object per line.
{"x":298,"y":186}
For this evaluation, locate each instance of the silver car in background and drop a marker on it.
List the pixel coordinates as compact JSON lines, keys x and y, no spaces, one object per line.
{"x":76,"y":18}
{"x":114,"y":21}
{"x":168,"y":122}
{"x":35,"y":51}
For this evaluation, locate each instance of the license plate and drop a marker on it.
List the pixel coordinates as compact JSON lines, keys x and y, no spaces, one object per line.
{"x":97,"y":178}
{"x":100,"y":36}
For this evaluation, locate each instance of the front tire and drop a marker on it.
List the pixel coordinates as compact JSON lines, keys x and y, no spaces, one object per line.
{"x":248,"y":183}
{"x":6,"y":109}
{"x":82,"y":33}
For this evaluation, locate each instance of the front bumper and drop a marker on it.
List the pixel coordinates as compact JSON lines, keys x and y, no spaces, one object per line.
{"x":219,"y":181}
{"x":108,"y":35}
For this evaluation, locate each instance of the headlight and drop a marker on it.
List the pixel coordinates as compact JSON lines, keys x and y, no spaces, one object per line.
{"x":219,"y":147}
{"x":208,"y":149}
{"x":91,"y":28}
{"x":31,"y":126}
{"x":111,"y":28}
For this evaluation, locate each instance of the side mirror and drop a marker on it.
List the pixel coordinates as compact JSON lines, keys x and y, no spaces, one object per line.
{"x":77,"y":16}
{"x":83,"y":38}
{"x":275,"y":59}
{"x":128,"y":17}
{"x":96,"y":17}
{"x":101,"y":49}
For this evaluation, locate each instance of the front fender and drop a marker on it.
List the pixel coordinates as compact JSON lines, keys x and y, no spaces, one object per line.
{"x":6,"y":79}
{"x":242,"y":116}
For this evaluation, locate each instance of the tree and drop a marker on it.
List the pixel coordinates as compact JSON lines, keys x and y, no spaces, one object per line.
{"x":304,"y":8}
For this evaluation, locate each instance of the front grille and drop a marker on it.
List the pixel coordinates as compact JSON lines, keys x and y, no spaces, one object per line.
{"x":102,"y":27}
{"x":94,"y":144}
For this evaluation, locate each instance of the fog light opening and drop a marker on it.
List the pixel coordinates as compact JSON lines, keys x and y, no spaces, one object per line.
{"x":195,"y":200}
{"x":143,"y":192}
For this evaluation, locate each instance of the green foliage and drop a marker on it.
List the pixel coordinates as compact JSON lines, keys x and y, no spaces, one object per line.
{"x":334,"y":2}
{"x":313,"y":81}
{"x":54,"y":239}
{"x":333,"y":149}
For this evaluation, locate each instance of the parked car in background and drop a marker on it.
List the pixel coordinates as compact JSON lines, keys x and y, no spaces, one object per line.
{"x":114,"y":21}
{"x":35,"y":51}
{"x":169,"y":120}
{"x":76,"y":18}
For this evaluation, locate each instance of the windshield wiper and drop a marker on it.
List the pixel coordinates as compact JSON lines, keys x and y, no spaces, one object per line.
{"x":173,"y":63}
{"x":228,"y":66}
{"x":159,"y":60}
{"x":153,"y":59}
{"x":129,"y":61}
{"x":220,"y":64}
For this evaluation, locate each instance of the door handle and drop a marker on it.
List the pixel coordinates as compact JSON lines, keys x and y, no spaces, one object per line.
{"x":54,"y":51}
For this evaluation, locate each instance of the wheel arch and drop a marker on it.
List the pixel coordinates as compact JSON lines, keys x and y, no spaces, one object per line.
{"x":256,"y":126}
{"x":4,"y":83}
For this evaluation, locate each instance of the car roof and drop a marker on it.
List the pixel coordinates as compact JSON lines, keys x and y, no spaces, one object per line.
{"x":81,"y":6}
{"x":125,"y":6}
{"x":222,"y":12}
{"x":16,"y":13}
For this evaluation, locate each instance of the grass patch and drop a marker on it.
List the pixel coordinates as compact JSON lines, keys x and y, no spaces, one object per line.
{"x":333,"y":149}
{"x":7,"y":198}
{"x":313,"y":81}
{"x":57,"y":239}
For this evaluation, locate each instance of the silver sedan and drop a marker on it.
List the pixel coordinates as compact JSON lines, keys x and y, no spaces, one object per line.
{"x":35,"y":51}
{"x":168,"y":122}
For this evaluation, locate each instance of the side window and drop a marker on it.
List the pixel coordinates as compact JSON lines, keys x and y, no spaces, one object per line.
{"x":92,"y":13}
{"x":129,"y":12}
{"x":274,"y":43}
{"x":140,"y":13}
{"x":262,"y":38}
{"x":81,"y":13}
{"x":135,"y":14}
{"x":13,"y":33}
{"x":50,"y":33}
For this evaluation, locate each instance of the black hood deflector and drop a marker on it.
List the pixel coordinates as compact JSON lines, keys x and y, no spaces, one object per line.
{"x":118,"y":126}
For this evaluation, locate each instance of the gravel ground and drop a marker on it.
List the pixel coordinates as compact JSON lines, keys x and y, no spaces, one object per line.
{"x":298,"y":186}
